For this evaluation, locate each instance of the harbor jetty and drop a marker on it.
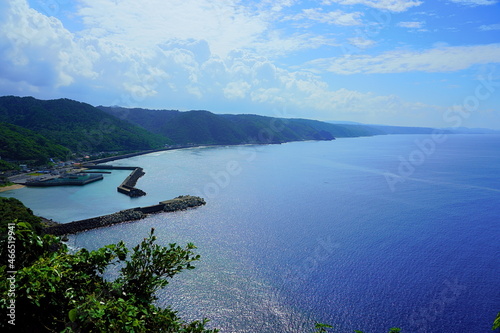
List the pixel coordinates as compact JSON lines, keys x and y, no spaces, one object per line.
{"x":127,"y":187}
{"x":180,"y":203}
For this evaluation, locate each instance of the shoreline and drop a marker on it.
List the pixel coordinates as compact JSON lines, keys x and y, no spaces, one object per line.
{"x":208,"y":145}
{"x":11,"y":187}
{"x":144,"y":152}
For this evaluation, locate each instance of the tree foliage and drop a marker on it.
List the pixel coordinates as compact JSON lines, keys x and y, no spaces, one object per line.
{"x":496,"y":323}
{"x":60,"y":291}
{"x":17,"y":143}
{"x":204,"y":127}
{"x":322,"y":328}
{"x":77,"y":126}
{"x":12,"y":209}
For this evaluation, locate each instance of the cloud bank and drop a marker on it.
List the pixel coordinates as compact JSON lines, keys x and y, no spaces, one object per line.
{"x":225,"y":56}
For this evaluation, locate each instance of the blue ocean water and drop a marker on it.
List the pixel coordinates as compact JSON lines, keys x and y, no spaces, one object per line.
{"x":360,"y":233}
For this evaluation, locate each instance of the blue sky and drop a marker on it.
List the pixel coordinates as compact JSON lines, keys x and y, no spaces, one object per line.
{"x":398,"y":62}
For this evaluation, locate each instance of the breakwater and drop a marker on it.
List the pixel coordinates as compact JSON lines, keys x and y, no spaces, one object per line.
{"x":128,"y":185}
{"x":180,"y":203}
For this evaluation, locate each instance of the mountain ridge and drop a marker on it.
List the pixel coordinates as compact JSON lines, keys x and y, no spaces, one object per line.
{"x":205,"y":127}
{"x":63,"y":127}
{"x":77,"y":126}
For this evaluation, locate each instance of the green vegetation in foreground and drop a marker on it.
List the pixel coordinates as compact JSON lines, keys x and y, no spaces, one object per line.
{"x":59,"y":291}
{"x":56,"y":290}
{"x":322,"y":328}
{"x":12,"y":209}
{"x":496,"y":324}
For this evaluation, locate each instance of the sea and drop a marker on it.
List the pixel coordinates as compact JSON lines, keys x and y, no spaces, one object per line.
{"x":361,"y":233}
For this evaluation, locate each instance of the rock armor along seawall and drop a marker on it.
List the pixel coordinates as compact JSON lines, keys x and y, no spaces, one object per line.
{"x":180,"y":203}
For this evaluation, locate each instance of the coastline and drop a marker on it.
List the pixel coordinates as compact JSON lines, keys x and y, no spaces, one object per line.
{"x":11,"y":187}
{"x":189,"y":146}
{"x":143,"y":152}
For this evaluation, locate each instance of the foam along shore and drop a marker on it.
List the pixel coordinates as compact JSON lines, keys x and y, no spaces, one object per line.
{"x":182,"y":202}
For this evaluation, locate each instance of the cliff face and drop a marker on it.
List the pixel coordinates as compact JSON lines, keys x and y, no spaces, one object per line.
{"x":180,"y":203}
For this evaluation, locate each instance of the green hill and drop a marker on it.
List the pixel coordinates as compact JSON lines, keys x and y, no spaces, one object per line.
{"x":204,"y":127}
{"x":201,"y":127}
{"x":77,"y":126}
{"x":20,"y":144}
{"x":82,"y":128}
{"x":197,"y":127}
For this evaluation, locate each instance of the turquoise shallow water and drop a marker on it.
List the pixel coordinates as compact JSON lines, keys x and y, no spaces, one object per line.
{"x":363,"y":233}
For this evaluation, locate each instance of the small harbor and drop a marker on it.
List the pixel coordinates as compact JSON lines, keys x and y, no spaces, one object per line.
{"x":78,"y":179}
{"x":127,"y":187}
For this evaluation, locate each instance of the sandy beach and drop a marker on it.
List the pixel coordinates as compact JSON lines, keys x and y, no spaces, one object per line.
{"x":11,"y":187}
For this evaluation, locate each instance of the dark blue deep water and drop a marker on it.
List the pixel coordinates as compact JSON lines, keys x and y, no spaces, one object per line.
{"x":361,"y":233}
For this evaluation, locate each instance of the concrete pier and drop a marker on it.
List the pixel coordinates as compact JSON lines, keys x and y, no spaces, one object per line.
{"x":127,"y":187}
{"x":177,"y":204}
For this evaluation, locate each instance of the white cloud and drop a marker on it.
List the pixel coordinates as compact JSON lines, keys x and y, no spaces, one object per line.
{"x":277,"y":5}
{"x":439,"y":59}
{"x":475,"y":2}
{"x":225,"y":25}
{"x":411,"y":25}
{"x":336,"y":17}
{"x":222,"y":26}
{"x":236,"y":90}
{"x":39,"y":50}
{"x":44,"y":59}
{"x":185,"y":67}
{"x":490,"y":27}
{"x":390,"y":5}
{"x":361,"y":43}
{"x":277,"y":44}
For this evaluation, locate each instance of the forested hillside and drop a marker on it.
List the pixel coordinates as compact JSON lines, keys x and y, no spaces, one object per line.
{"x":18,"y":143}
{"x":204,"y":127}
{"x":75,"y":125}
{"x":37,"y":130}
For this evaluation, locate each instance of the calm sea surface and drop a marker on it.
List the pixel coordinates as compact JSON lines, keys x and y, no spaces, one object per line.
{"x":361,"y":233}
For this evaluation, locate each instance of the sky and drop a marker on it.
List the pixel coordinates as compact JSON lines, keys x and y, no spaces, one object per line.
{"x":397,"y":62}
